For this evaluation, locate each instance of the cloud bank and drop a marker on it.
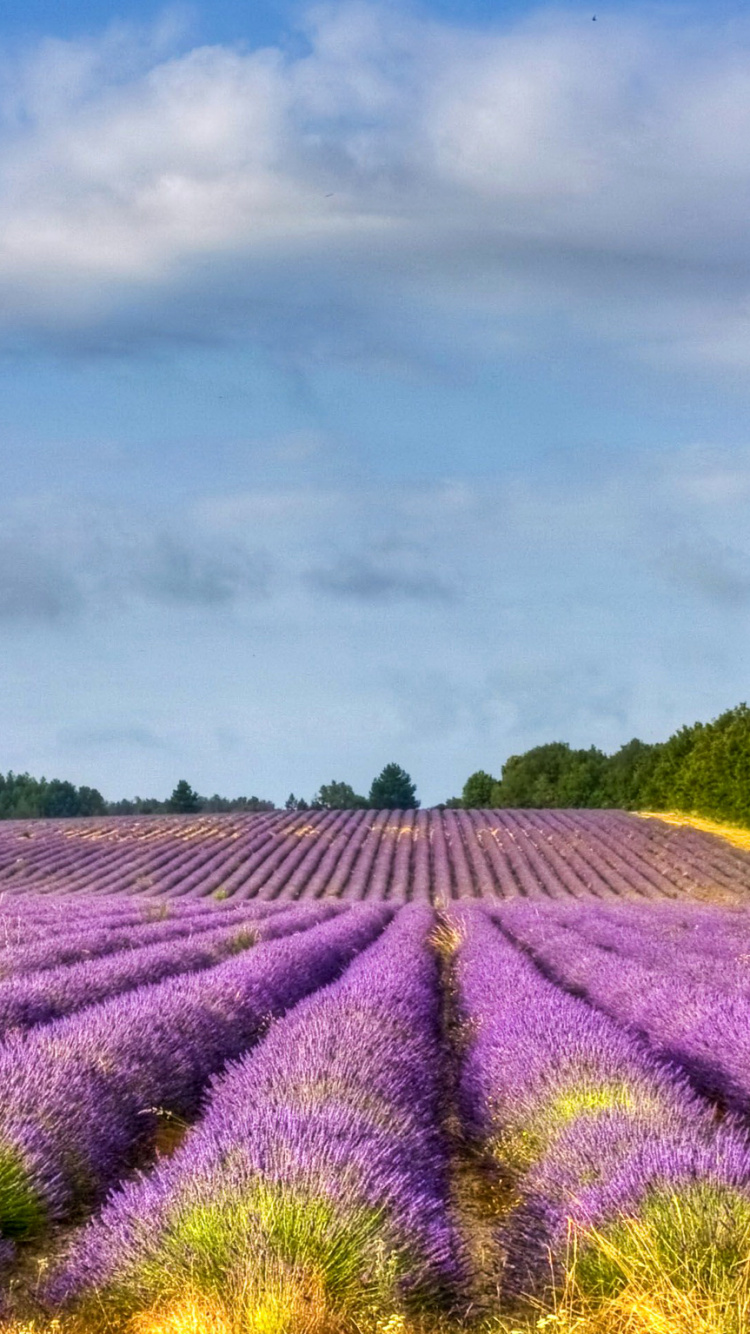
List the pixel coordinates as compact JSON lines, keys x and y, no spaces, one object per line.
{"x":383,"y":163}
{"x":672,"y":523}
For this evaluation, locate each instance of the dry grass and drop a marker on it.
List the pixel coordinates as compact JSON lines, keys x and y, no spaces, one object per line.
{"x":659,"y":1289}
{"x":731,"y":832}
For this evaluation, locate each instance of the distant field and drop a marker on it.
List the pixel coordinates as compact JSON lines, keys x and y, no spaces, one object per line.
{"x":426,"y":856}
{"x":374,"y":1073}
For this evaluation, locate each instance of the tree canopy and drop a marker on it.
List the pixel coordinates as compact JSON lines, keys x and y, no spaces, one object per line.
{"x":702,"y":769}
{"x":23,"y":797}
{"x":338,"y":796}
{"x":184,"y":800}
{"x":393,"y":790}
{"x":477,"y":791}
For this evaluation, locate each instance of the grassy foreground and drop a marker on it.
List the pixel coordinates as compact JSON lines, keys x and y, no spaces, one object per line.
{"x":675,"y":1270}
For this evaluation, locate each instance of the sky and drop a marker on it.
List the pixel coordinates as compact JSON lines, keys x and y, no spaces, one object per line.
{"x":373,"y":386}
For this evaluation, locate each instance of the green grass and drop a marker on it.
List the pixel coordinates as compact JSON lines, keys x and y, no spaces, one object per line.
{"x":698,"y":1238}
{"x":21,"y":1210}
{"x":270,"y":1251}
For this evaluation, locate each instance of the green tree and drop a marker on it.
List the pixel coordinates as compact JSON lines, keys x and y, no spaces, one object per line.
{"x":477,"y":790}
{"x":184,"y":800}
{"x":336,"y":796}
{"x":91,"y":801}
{"x":629,"y":772}
{"x":659,"y":791}
{"x":713,"y":778}
{"x":552,"y":775}
{"x":23,"y":797}
{"x":60,"y":799}
{"x":393,"y":790}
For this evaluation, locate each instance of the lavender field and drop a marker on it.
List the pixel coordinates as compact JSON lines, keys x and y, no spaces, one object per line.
{"x":423,"y":855}
{"x":371,"y":1072}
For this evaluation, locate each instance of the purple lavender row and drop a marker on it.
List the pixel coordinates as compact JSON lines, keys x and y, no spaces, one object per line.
{"x":690,"y":863}
{"x":617,"y":858}
{"x":714,"y":957}
{"x":397,"y":885}
{"x":29,"y":925}
{"x":421,"y":867}
{"x":317,"y":842}
{"x":162,"y":869}
{"x":94,"y":942}
{"x":144,"y":865}
{"x":489,"y":841}
{"x":31,"y":912}
{"x":557,"y":854}
{"x":590,"y":867}
{"x":374,"y":880}
{"x":461,"y":864}
{"x":80,"y":1098}
{"x":564,"y":1097}
{"x":697,"y":1026}
{"x":553,"y":878}
{"x":204,"y":868}
{"x":366,"y":848}
{"x":508,"y":855}
{"x":682,"y":851}
{"x":208,"y":869}
{"x":618,"y":861}
{"x":283,"y":843}
{"x":316,"y":847}
{"x":537,"y":1047}
{"x":261,"y":848}
{"x":31,"y":907}
{"x":334,"y":871}
{"x":603,"y":1169}
{"x":485,"y":882}
{"x":44,"y":997}
{"x":341,"y":1105}
{"x":343,"y":880}
{"x":698,"y":928}
{"x":52,"y":848}
{"x":286,"y":843}
{"x":583,"y":876}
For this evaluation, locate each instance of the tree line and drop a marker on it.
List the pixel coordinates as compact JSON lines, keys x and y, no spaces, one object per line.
{"x":23,"y":797}
{"x":702,"y":769}
{"x":391,"y":790}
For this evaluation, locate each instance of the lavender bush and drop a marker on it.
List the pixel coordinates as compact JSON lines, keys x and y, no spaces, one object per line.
{"x":321,"y":1150}
{"x":81,"y":1097}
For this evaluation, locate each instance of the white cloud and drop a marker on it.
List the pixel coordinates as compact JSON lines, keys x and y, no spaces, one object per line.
{"x":601,"y":171}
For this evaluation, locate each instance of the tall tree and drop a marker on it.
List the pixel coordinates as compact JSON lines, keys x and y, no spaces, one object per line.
{"x":393,"y":790}
{"x":184,"y":800}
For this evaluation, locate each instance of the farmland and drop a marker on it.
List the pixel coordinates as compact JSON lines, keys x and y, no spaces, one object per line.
{"x":374,"y":1072}
{"x":424,"y":855}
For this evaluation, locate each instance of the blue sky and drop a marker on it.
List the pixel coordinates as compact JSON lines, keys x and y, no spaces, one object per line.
{"x":373,"y":385}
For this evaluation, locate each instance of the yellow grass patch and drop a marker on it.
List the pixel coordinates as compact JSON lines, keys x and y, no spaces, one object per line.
{"x":731,"y":832}
{"x":292,"y":1305}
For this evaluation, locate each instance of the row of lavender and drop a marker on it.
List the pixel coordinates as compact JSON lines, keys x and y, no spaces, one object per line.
{"x":324,"y":1152}
{"x":82,"y":1098}
{"x":587,"y":1121}
{"x":428,"y":856}
{"x":679,"y":979}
